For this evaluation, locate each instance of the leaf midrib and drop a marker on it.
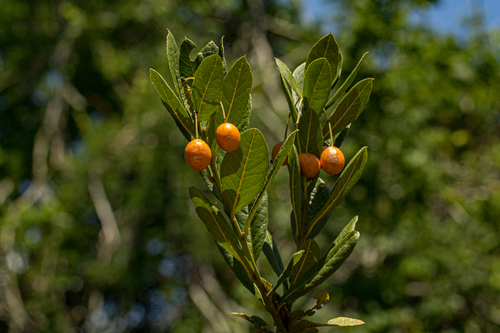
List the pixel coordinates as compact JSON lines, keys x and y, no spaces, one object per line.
{"x":234,"y":92}
{"x":349,"y":108}
{"x":238,"y":189}
{"x":207,"y":85}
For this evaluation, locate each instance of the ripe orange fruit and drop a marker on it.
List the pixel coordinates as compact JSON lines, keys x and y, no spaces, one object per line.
{"x":309,"y":165}
{"x":332,"y":160}
{"x":276,"y":150}
{"x":198,"y":154}
{"x":227,"y":137}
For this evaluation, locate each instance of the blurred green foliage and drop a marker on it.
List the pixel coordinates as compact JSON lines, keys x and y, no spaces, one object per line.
{"x":96,"y":230}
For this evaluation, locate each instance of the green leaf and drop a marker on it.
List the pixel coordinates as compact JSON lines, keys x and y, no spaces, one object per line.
{"x":311,"y":255}
{"x":237,"y":268}
{"x":221,"y":55}
{"x":236,"y":90}
{"x":173,"y":105}
{"x":173,"y":61}
{"x":316,"y":86}
{"x":321,"y":298}
{"x":243,"y":171}
{"x":207,"y":87}
{"x":350,"y":107}
{"x":346,"y":84}
{"x":276,"y":166}
{"x":328,"y":48}
{"x":286,"y":272}
{"x":245,"y":122}
{"x":339,"y":69}
{"x":323,"y":269}
{"x":258,"y":230}
{"x":295,"y":190}
{"x":210,"y":49}
{"x":187,"y":67}
{"x":214,"y":221}
{"x":344,"y":321}
{"x":319,"y":197}
{"x":285,"y":85}
{"x":310,"y":137}
{"x":215,"y":121}
{"x":348,"y":178}
{"x":298,"y":74}
{"x":287,"y":75}
{"x":272,"y":254}
{"x":348,"y":229}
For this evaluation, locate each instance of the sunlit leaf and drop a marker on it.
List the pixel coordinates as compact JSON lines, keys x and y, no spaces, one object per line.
{"x":278,"y":162}
{"x":346,"y":84}
{"x":236,"y":89}
{"x":328,"y":48}
{"x":173,"y":61}
{"x":298,"y":75}
{"x":322,"y":298}
{"x":244,"y":170}
{"x":350,"y":107}
{"x":344,"y":321}
{"x":317,"y":84}
{"x":310,"y":137}
{"x":207,"y":87}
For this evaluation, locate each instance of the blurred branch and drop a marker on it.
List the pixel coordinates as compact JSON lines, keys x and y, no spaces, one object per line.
{"x":108,"y":221}
{"x":214,"y":303}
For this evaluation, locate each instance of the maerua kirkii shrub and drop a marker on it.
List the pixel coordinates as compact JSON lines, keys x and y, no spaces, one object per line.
{"x":208,"y":93}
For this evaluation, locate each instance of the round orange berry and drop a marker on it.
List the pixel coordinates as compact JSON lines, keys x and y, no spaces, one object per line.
{"x":309,"y":165}
{"x":332,"y":160}
{"x":276,"y":150}
{"x":227,"y":137}
{"x":198,"y":154}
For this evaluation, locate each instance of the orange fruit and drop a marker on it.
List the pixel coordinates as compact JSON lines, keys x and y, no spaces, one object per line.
{"x":332,"y":160}
{"x":198,"y":154}
{"x":227,"y":137}
{"x":309,"y":165}
{"x":276,"y":150}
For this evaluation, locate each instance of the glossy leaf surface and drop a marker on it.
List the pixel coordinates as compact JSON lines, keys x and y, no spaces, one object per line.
{"x":173,"y":61}
{"x":244,"y":170}
{"x":310,"y":137}
{"x":328,"y":48}
{"x":207,"y":87}
{"x":236,"y":89}
{"x":317,"y":84}
{"x":276,"y":166}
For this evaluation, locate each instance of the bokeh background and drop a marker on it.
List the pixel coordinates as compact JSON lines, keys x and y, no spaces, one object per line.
{"x":97,"y":233}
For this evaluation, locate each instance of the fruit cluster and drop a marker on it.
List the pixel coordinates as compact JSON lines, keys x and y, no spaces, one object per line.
{"x":198,"y":154}
{"x":331,"y":161}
